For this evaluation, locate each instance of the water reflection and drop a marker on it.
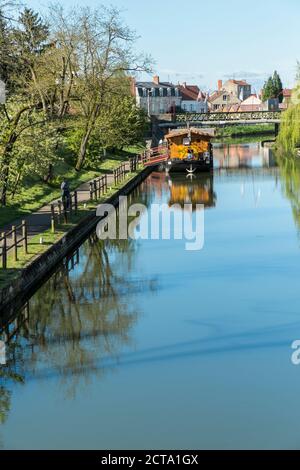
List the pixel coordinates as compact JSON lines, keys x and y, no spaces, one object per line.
{"x":195,"y":340}
{"x":290,"y":177}
{"x":182,"y":189}
{"x":252,"y":155}
{"x":84,"y":313}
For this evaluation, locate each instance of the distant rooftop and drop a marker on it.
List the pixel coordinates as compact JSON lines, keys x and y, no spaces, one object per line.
{"x":239,"y":82}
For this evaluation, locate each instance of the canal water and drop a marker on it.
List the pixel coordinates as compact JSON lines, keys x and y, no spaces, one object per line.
{"x":143,"y":344}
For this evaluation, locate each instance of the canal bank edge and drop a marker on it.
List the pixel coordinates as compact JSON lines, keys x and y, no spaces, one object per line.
{"x":43,"y":266}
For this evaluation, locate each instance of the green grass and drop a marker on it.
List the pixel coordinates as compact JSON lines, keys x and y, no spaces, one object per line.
{"x":231,"y":131}
{"x":34,"y":194}
{"x":35,"y":248}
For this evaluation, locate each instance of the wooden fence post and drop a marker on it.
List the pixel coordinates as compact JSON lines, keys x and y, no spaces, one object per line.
{"x":4,"y":253}
{"x":95,"y":188}
{"x":24,"y":236}
{"x":64,"y":203}
{"x":76,"y":201}
{"x":70,"y":200}
{"x":52,"y":218}
{"x":59,"y":210}
{"x":14,"y":242}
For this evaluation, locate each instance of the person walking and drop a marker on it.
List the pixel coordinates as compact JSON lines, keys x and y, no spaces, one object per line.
{"x":65,"y":194}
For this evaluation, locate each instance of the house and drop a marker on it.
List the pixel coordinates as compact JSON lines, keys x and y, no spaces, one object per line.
{"x":193,"y":99}
{"x":287,"y":97}
{"x":222,"y":99}
{"x":272,"y":104}
{"x":156,"y":97}
{"x":239,"y":88}
{"x":252,"y":103}
{"x":2,"y":92}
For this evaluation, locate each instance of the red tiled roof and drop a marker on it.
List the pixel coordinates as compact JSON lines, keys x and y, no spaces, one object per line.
{"x":250,"y":107}
{"x":235,"y":108}
{"x":287,"y":92}
{"x":216,"y":94}
{"x":194,"y":88}
{"x":239,"y":82}
{"x":189,"y":92}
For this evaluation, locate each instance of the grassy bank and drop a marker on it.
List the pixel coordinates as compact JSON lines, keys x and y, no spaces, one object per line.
{"x":35,"y":248}
{"x":34,"y":193}
{"x":240,"y":131}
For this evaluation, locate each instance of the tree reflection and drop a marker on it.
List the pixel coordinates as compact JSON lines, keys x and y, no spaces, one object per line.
{"x":80,"y":320}
{"x":290,"y":177}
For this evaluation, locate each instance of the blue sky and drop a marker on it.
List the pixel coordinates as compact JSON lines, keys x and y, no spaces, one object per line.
{"x":200,"y":41}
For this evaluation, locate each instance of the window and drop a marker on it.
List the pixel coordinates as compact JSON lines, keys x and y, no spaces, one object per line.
{"x":224,"y":97}
{"x":176,"y":92}
{"x":144,"y":92}
{"x":169,"y":92}
{"x":191,"y":108}
{"x":161,"y":92}
{"x":184,"y":107}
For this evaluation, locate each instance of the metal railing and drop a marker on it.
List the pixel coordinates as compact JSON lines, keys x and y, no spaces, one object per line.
{"x":19,"y":238}
{"x":227,"y":116}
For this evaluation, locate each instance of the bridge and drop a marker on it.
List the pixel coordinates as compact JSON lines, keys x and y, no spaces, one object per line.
{"x":222,"y":119}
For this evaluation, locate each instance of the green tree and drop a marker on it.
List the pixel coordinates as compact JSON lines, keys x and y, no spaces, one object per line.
{"x":121,"y":123}
{"x":277,"y":85}
{"x":26,"y":104}
{"x":104,"y":52}
{"x":273,"y":88}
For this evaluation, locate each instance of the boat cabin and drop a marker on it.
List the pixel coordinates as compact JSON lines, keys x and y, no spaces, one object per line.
{"x":189,"y":144}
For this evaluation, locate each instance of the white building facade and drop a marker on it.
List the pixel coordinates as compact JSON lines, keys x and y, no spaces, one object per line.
{"x":157,"y":97}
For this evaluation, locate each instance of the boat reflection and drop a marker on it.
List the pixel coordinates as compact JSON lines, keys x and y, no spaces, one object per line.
{"x":184,"y":189}
{"x":197,"y":189}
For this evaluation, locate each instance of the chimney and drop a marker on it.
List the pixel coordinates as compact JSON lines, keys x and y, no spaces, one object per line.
{"x":220,"y":85}
{"x":156,"y":80}
{"x":184,"y":84}
{"x":132,"y":86}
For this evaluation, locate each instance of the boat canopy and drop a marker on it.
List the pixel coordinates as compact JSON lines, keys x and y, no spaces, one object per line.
{"x":189,"y":132}
{"x":182,"y":142}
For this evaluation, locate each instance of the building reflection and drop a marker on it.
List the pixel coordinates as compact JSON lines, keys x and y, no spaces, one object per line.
{"x":252,"y":155}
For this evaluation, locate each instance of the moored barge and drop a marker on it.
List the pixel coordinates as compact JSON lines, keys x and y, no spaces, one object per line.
{"x":189,"y":150}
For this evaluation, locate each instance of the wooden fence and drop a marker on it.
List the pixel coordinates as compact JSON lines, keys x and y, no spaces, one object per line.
{"x":98,"y":187}
{"x":61,"y":209}
{"x":134,"y":163}
{"x":119,"y":173}
{"x":13,"y":240}
{"x":145,"y":156}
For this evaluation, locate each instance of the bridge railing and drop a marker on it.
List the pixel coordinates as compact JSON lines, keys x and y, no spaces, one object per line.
{"x":227,"y":116}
